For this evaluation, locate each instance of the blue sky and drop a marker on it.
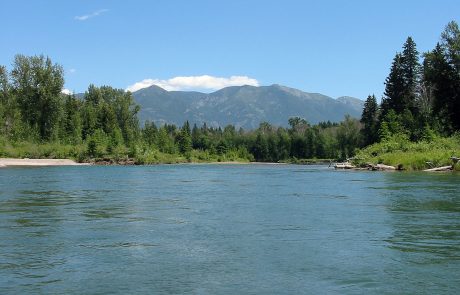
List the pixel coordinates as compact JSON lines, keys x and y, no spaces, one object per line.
{"x":331,"y":47}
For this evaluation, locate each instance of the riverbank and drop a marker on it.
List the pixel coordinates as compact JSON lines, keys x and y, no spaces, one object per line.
{"x":411,"y":156}
{"x":6,"y":162}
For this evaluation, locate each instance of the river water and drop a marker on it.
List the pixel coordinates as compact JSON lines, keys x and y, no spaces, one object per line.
{"x":227,"y":229}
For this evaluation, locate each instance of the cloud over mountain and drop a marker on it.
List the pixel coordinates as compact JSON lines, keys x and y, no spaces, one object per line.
{"x":242,"y":106}
{"x":204,"y":82}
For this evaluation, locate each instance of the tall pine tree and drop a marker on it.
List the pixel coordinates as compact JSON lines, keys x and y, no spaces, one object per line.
{"x":450,"y":41}
{"x":401,"y":88}
{"x":411,"y":74}
{"x":394,"y":88}
{"x":442,"y":77}
{"x":369,"y":120}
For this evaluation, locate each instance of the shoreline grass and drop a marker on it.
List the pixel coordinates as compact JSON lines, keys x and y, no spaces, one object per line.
{"x":413,"y":156}
{"x":397,"y":150}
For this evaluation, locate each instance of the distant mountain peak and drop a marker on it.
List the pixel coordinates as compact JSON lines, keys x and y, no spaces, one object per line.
{"x":352,"y":101}
{"x":152,"y":89}
{"x":242,"y":106}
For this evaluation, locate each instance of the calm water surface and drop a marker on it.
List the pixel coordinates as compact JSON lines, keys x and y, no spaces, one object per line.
{"x":234,"y":229}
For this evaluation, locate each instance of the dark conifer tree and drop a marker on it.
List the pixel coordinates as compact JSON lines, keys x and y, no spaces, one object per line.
{"x":394,"y":88}
{"x":442,"y":78}
{"x":411,"y":74}
{"x":439,"y":78}
{"x":450,"y":42}
{"x":369,"y":119}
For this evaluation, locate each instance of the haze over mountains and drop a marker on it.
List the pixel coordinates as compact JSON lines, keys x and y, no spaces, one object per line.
{"x":242,"y":106}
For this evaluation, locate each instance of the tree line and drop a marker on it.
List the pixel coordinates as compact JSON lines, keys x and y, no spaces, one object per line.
{"x":267,"y":143}
{"x":422,"y":93}
{"x":104,"y":122}
{"x":421,"y":100}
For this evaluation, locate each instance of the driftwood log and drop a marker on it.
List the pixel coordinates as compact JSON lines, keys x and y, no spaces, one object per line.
{"x":439,"y":169}
{"x":384,"y":167}
{"x":344,"y":165}
{"x":443,"y":168}
{"x":380,"y":167}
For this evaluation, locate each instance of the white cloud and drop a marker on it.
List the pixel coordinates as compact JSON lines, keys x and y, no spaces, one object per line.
{"x":194,"y":83}
{"x":72,"y":71}
{"x":66,"y":91}
{"x":91,"y":15}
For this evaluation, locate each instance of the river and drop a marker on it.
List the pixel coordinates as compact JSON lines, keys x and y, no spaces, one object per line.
{"x":227,"y":229}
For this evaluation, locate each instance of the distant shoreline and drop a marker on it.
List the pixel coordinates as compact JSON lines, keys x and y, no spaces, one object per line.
{"x":237,"y":163}
{"x":11,"y":162}
{"x":16,"y":162}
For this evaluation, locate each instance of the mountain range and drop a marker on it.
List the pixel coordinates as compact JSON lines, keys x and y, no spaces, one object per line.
{"x":242,"y":106}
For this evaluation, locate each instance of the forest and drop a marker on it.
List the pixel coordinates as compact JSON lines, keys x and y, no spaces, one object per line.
{"x":420,"y":107}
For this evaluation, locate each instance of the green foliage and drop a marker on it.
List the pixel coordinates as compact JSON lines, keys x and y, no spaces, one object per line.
{"x":97,"y":144}
{"x":184,"y":140}
{"x":390,"y":125}
{"x":402,"y":91}
{"x":348,"y":137}
{"x":41,"y":150}
{"x":71,"y":121}
{"x":369,"y":119}
{"x":37,"y":85}
{"x":399,"y":150}
{"x":394,"y":88}
{"x":450,"y":38}
{"x":442,"y":76}
{"x":419,"y":105}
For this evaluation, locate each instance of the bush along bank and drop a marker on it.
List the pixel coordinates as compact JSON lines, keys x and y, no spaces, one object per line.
{"x":398,"y":151}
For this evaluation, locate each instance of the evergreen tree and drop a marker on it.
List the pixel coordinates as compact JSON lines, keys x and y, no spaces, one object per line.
{"x":390,"y":125}
{"x":394,"y":88}
{"x":402,"y":83}
{"x":440,"y":77}
{"x":369,"y":119}
{"x":149,"y":133}
{"x":184,"y":139}
{"x":196,"y":135}
{"x":72,"y":121}
{"x":402,"y":88}
{"x":260,"y":149}
{"x":89,"y":120}
{"x":411,"y":74}
{"x":162,"y":140}
{"x":450,"y":41}
{"x":186,"y":128}
{"x":273,"y":148}
{"x":298,"y":146}
{"x":309,"y":144}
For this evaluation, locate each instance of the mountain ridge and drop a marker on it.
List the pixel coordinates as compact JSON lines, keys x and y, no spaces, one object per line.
{"x":242,"y":106}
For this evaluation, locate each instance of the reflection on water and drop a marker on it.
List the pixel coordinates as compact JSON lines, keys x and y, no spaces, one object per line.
{"x":209,"y":229}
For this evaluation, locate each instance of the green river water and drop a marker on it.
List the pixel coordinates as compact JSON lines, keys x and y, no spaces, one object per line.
{"x":227,"y":229}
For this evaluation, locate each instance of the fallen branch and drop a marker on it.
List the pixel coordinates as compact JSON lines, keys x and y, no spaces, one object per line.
{"x":381,"y":167}
{"x":439,"y":169}
{"x":344,"y":165}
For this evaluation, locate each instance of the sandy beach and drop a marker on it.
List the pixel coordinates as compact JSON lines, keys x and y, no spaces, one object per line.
{"x":5,"y":162}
